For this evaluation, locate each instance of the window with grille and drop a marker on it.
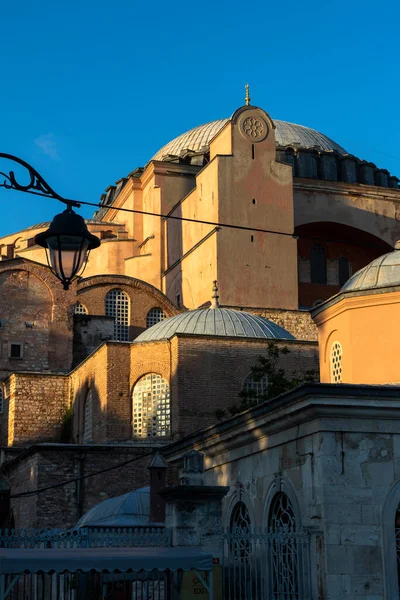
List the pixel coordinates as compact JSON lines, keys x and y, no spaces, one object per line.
{"x":336,"y":362}
{"x":88,"y":418}
{"x":254,"y":387}
{"x":284,"y":548}
{"x":318,"y":264}
{"x":79,"y":309}
{"x":151,"y":413}
{"x":1,"y":399}
{"x":117,"y":306}
{"x":240,"y":582}
{"x":154,"y":316}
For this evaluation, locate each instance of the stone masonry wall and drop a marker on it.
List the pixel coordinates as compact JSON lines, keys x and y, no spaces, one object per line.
{"x":36,"y":407}
{"x":298,"y":322}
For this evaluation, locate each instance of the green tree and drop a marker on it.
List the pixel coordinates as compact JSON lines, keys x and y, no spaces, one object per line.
{"x":278,"y":381}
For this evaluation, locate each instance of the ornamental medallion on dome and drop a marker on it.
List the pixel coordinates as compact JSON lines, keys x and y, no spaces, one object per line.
{"x":253,"y":127}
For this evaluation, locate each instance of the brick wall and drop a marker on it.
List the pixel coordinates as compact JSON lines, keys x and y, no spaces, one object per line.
{"x":207,"y":376}
{"x":37,"y":313}
{"x":89,"y":332}
{"x":63,"y":506}
{"x":143,"y":297}
{"x":36,"y":407}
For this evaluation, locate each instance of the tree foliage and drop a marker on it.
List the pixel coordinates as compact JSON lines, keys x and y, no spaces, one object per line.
{"x":279,"y":381}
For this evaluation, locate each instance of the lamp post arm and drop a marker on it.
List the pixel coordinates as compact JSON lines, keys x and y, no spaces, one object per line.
{"x":37,"y":185}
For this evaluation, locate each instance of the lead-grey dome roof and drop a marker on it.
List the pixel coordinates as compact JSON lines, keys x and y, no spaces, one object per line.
{"x":381,"y":272}
{"x":215,"y":321}
{"x":286,"y":134}
{"x":128,"y":510}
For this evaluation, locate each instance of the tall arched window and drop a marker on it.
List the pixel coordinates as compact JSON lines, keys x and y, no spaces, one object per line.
{"x":336,"y":362}
{"x":240,"y":580}
{"x":254,"y":387}
{"x":80,"y":309}
{"x":154,"y":316}
{"x":1,"y":399}
{"x":151,"y":413}
{"x":117,"y":306}
{"x":284,"y":559}
{"x":344,"y":270}
{"x":88,"y":419}
{"x":318,"y":264}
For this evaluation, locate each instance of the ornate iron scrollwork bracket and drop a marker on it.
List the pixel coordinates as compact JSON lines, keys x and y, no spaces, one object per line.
{"x":36,"y":185}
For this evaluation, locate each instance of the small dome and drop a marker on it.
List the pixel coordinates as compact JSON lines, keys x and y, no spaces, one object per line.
{"x":215,"y":321}
{"x":286,"y":134}
{"x":381,"y":272}
{"x":128,"y":510}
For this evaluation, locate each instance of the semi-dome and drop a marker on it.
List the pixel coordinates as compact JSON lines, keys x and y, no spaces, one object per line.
{"x":128,"y":510}
{"x":381,"y":272}
{"x":215,"y":321}
{"x":286,"y":134}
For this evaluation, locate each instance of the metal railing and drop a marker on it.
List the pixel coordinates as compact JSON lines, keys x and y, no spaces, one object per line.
{"x":86,"y":537}
{"x":266,"y":566}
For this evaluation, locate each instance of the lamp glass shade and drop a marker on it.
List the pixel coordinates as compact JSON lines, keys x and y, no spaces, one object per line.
{"x":66,"y":255}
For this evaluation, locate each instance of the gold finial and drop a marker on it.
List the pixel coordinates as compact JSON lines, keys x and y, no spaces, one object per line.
{"x":215,"y":296}
{"x":247,"y":99}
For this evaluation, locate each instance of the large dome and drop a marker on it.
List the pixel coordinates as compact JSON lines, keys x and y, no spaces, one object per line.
{"x":381,"y":272}
{"x":215,"y":321}
{"x":286,"y":134}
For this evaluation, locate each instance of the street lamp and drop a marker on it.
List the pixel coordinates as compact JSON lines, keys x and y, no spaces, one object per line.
{"x":67,"y":241}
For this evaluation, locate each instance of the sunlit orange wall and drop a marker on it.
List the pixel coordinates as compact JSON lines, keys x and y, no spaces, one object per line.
{"x":368,"y":329}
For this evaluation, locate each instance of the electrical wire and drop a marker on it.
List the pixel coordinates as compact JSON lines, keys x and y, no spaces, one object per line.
{"x":74,"y":479}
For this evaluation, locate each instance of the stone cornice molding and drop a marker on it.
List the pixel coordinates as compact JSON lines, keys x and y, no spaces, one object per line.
{"x":345,"y":301}
{"x":306,"y":410}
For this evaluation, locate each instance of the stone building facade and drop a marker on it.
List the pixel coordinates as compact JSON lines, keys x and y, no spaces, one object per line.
{"x":331,"y":456}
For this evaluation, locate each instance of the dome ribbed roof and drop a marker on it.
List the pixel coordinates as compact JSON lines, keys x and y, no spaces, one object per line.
{"x":215,"y":321}
{"x":285,"y":135}
{"x":128,"y":510}
{"x":381,"y":272}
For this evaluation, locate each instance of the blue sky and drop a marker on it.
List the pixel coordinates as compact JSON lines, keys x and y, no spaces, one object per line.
{"x":90,"y":90}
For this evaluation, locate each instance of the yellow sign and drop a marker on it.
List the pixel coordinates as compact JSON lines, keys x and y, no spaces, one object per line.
{"x":193,"y":589}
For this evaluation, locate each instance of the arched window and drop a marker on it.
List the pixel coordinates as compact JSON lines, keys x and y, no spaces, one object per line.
{"x":88,"y":418}
{"x":391,"y":542}
{"x":344,"y":270}
{"x":336,"y":362}
{"x":284,"y":556}
{"x":1,"y":399}
{"x":240,"y":580}
{"x":79,"y":309}
{"x":154,"y":316}
{"x":254,"y":387}
{"x":117,"y":306}
{"x":318,"y":264}
{"x":151,"y":407}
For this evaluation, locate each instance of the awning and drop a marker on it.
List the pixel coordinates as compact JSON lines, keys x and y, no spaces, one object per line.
{"x":58,"y":560}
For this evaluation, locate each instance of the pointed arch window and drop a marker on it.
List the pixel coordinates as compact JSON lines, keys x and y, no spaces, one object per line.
{"x":88,"y":419}
{"x":117,"y":306}
{"x":151,"y":412}
{"x":154,"y":316}
{"x":318,"y":264}
{"x":284,"y":558}
{"x":80,"y":309}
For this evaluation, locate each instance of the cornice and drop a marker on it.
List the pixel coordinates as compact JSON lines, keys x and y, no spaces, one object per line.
{"x":350,"y":189}
{"x":353,"y":300}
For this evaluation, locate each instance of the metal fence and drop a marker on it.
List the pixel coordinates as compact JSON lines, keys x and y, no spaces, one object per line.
{"x":266,"y":566}
{"x":97,"y":537}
